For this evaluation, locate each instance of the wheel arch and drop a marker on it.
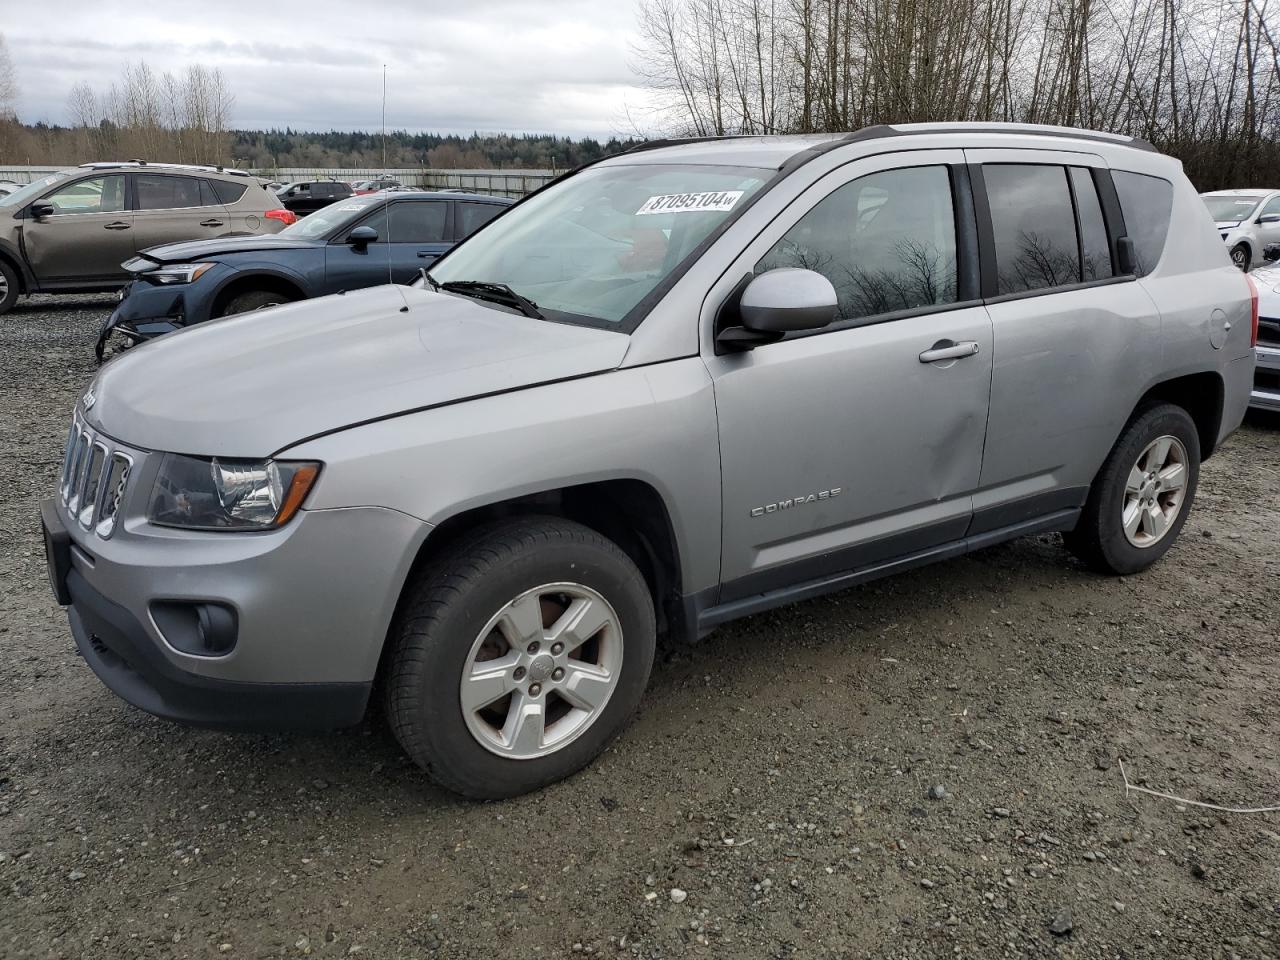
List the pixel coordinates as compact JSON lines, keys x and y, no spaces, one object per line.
{"x":1201,"y":395}
{"x":256,"y":280}
{"x":14,"y":259}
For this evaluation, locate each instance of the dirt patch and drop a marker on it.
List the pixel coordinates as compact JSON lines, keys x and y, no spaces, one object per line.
{"x":782,"y":774}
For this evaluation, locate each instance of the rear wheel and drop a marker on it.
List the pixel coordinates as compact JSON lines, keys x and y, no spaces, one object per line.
{"x":1141,"y":497}
{"x":253,"y":300}
{"x":8,"y":287}
{"x":1240,"y":256}
{"x":518,"y":656}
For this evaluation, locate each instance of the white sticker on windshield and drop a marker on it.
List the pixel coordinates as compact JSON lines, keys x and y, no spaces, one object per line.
{"x":717,"y":200}
{"x":350,"y":206}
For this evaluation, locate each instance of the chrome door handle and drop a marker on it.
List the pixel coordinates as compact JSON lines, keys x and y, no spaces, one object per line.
{"x":210,"y":223}
{"x":117,"y":225}
{"x":946,"y":350}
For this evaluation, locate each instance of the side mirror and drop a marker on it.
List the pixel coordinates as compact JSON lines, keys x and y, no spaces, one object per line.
{"x":1269,"y":218}
{"x":1271,"y":252}
{"x":41,"y":209}
{"x":361,"y":237}
{"x":779,"y":302}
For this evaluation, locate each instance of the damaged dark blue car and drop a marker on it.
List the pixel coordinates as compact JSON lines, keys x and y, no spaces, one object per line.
{"x":359,"y":242}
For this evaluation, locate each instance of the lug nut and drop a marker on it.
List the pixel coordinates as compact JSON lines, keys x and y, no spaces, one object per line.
{"x":535,"y":689}
{"x":557,"y":648}
{"x":534,"y":648}
{"x":557,"y":673}
{"x":519,"y":674}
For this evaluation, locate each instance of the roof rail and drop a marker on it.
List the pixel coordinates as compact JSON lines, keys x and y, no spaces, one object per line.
{"x":680,"y":141}
{"x":203,"y":167}
{"x":1034,"y":129}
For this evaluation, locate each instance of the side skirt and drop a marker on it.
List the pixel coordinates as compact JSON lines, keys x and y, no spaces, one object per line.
{"x":707,"y":618}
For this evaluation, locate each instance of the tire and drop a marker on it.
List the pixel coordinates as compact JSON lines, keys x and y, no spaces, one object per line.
{"x":1125,"y":486}
{"x":463,"y":610}
{"x":253,"y":300}
{"x":9,"y":284}
{"x":1241,"y":257}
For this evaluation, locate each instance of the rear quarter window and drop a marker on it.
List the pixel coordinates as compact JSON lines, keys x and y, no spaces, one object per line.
{"x":1146,"y":203}
{"x":228,"y":193}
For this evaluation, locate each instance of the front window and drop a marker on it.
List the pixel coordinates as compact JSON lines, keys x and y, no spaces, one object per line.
{"x":589,"y":249}
{"x":94,"y":195}
{"x":1230,"y":207}
{"x":327,"y":219}
{"x":33,"y":190}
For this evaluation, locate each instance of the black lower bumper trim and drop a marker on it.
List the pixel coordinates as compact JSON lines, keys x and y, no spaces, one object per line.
{"x":126,"y":659}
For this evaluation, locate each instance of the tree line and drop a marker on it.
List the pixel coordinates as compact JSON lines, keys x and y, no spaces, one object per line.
{"x":1200,"y":79}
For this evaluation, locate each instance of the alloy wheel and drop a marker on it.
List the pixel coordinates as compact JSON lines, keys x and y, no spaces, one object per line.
{"x":1240,"y":257}
{"x":541,"y":671}
{"x":1155,"y":491}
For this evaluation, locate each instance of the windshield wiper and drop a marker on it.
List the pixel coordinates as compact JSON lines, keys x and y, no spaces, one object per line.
{"x":494,"y":293}
{"x":431,"y":281}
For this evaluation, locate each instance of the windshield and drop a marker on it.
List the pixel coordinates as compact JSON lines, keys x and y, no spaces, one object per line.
{"x":1231,"y":206}
{"x":33,"y":190}
{"x":590,"y":248}
{"x":330,"y":218}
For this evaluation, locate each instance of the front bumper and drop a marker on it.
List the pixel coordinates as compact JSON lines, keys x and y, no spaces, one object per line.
{"x":312,"y":603}
{"x":1266,"y":382}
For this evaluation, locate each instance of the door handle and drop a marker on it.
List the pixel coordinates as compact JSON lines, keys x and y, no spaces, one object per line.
{"x":210,"y":223}
{"x":949,"y":350}
{"x":427,"y":255}
{"x":117,"y":225}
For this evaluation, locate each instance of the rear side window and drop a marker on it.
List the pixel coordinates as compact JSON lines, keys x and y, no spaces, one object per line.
{"x":419,"y":222}
{"x":1095,"y":251}
{"x":473,"y":216}
{"x":886,"y":241}
{"x":157,"y":192}
{"x":1146,"y":203}
{"x":1034,"y":227}
{"x":226,"y":192}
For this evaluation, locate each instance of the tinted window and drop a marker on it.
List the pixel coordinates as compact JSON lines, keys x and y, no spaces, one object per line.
{"x":473,"y":216}
{"x":421,"y":222}
{"x":1273,"y":206}
{"x":157,"y":192}
{"x":228,"y":192}
{"x":1146,"y":203}
{"x":94,"y":195}
{"x":1094,"y":248}
{"x":1034,"y":227}
{"x":886,"y":242}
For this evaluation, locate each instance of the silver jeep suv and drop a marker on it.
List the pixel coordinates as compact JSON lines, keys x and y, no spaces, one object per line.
{"x":679,"y":386}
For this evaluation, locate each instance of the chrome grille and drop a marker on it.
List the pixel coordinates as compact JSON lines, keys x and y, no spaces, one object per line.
{"x":95,"y":475}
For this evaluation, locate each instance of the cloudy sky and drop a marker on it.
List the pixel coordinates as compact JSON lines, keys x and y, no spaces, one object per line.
{"x":559,"y":66}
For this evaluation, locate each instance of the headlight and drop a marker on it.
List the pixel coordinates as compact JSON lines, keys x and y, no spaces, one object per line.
{"x":167,"y":273}
{"x":223,"y":494}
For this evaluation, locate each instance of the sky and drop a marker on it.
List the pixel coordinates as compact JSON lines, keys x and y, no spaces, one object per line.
{"x":536,"y":66}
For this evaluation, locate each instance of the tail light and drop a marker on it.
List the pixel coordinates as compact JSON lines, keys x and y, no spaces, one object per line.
{"x":286,"y":217}
{"x":1253,"y":310}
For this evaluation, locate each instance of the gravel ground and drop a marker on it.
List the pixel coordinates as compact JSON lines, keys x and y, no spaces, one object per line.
{"x":927,"y":766}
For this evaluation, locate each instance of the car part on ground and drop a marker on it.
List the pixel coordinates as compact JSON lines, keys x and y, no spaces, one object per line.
{"x":72,"y":230}
{"x":358,"y":243}
{"x":677,"y":387}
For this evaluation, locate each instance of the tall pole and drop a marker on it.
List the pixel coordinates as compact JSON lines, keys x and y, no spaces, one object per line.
{"x":384,"y":119}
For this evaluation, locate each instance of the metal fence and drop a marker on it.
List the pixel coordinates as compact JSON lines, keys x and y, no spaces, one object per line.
{"x":503,"y":183}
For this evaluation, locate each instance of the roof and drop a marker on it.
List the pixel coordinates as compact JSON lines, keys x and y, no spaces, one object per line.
{"x":433,"y":195}
{"x":202,"y":167}
{"x":777,"y":151}
{"x":1247,"y":192}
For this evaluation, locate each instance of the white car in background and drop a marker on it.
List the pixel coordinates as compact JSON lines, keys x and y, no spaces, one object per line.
{"x":1248,"y":220}
{"x":1266,"y":378}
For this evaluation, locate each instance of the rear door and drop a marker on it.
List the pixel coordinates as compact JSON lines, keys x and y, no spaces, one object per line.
{"x":173,"y":207}
{"x":88,"y":236}
{"x":1074,"y":342}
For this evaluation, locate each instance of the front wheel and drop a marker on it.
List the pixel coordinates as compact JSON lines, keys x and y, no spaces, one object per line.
{"x":8,"y":287}
{"x":1240,"y":256}
{"x":518,"y":656}
{"x":252,"y":300}
{"x":1142,"y":495}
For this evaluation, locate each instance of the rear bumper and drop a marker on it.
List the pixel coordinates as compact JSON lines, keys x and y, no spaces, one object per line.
{"x":1266,"y":382}
{"x":126,"y":659}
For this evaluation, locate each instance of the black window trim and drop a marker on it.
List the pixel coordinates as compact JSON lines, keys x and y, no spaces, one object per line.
{"x":1111,"y":215}
{"x":1075,"y":205}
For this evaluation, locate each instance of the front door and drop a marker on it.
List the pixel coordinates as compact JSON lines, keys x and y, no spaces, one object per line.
{"x":412,"y":239}
{"x":88,"y":236}
{"x":851,"y":446}
{"x":170,"y":208}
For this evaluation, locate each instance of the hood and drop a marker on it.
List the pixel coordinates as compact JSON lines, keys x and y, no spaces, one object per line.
{"x":252,"y":385}
{"x":1267,"y":280}
{"x":201,"y":249}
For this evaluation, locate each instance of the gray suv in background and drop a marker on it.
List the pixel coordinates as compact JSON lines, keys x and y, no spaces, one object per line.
{"x":682,"y":385}
{"x":71,"y":231}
